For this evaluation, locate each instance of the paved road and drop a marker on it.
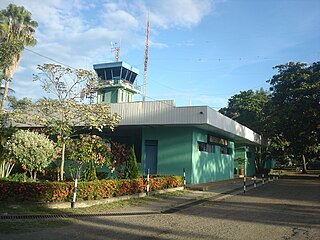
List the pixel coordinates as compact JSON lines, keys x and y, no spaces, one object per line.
{"x":287,"y":209}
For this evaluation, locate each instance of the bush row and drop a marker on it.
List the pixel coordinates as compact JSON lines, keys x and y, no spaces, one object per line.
{"x":63,"y":191}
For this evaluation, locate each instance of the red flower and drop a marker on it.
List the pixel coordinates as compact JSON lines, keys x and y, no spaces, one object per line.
{"x":43,"y":172}
{"x":24,"y":167}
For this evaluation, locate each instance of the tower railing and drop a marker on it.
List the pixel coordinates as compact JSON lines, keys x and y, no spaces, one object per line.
{"x":118,"y":83}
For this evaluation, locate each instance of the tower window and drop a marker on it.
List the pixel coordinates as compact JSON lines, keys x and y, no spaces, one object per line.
{"x":103,"y":97}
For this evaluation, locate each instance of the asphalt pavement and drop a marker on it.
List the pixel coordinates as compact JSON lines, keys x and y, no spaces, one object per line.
{"x":286,"y":209}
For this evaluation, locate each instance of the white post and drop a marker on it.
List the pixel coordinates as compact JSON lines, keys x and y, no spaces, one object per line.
{"x":148,"y":182}
{"x":75,"y":191}
{"x":184,"y":178}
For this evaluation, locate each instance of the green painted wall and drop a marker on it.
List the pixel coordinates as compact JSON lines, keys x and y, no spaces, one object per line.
{"x":174,"y":149}
{"x":178,"y":149}
{"x":208,"y":167}
{"x":250,"y":164}
{"x":110,"y":96}
{"x":240,"y":152}
{"x":247,"y":153}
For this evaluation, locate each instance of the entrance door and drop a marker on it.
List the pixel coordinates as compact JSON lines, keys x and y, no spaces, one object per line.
{"x":151,"y":156}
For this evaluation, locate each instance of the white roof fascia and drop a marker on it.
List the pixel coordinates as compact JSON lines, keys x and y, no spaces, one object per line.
{"x":166,"y":113}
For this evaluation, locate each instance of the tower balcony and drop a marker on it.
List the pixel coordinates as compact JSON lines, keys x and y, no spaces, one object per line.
{"x":119,"y":83}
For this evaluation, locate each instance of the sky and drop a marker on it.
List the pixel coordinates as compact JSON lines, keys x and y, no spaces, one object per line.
{"x":201,"y":52}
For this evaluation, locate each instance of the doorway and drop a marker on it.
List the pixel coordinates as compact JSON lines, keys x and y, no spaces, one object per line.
{"x":151,"y":156}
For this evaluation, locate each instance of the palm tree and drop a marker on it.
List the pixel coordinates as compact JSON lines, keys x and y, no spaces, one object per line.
{"x":16,"y":32}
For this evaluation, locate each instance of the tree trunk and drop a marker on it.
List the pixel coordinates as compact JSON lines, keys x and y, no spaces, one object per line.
{"x":62,"y":161}
{"x":2,"y":169}
{"x":304,"y":164}
{"x":9,"y":169}
{"x":5,"y":95}
{"x":34,"y":176}
{"x":8,"y":73}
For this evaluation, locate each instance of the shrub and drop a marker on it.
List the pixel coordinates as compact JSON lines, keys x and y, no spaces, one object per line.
{"x":63,"y":191}
{"x":132,"y":169}
{"x":33,"y":150}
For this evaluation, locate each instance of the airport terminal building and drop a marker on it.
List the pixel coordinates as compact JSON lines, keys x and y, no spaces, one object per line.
{"x":168,"y":138}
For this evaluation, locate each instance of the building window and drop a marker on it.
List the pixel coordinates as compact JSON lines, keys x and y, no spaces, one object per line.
{"x":225,"y":150}
{"x":202,"y":146}
{"x":206,"y":147}
{"x":229,"y":151}
{"x":210,"y":148}
{"x":122,"y":96}
{"x":103,"y":97}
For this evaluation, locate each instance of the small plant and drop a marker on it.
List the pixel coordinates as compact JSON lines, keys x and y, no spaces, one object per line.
{"x":132,"y":169}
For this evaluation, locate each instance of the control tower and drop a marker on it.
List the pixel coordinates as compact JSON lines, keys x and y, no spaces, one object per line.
{"x":116,"y":82}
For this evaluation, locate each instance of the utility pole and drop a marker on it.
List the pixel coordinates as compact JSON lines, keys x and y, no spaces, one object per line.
{"x":146,"y":62}
{"x":116,"y":50}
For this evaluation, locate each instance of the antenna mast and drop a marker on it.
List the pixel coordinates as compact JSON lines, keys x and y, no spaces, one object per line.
{"x":116,"y":50}
{"x":145,"y":61}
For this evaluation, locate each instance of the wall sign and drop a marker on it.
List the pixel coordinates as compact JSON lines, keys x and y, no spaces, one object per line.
{"x":217,"y":140}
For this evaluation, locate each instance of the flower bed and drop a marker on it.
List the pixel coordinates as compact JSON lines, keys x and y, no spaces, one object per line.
{"x":63,"y":191}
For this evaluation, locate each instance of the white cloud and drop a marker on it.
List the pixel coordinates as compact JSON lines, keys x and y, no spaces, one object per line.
{"x":78,"y":32}
{"x":115,"y":17}
{"x":177,"y":13}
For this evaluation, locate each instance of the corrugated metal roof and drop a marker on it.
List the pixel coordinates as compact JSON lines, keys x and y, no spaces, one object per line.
{"x":166,"y":113}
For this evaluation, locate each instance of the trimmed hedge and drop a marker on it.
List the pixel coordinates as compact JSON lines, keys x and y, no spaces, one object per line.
{"x":63,"y":191}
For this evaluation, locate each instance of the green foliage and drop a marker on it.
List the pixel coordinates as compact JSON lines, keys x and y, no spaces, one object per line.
{"x":63,"y":191}
{"x":6,"y":165}
{"x":18,"y":177}
{"x":132,"y":169}
{"x":19,"y":103}
{"x":64,"y":116}
{"x":16,"y":31}
{"x":91,"y":150}
{"x":247,"y":108}
{"x":293,"y":112}
{"x":120,"y":157}
{"x":7,"y":51}
{"x":17,"y":25}
{"x":32,"y":150}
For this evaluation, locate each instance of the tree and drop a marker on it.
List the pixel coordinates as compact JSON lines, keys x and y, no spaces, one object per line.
{"x":247,"y":108}
{"x":120,"y":157}
{"x":19,"y":103}
{"x":16,"y":31}
{"x":64,"y":115}
{"x":33,"y":150}
{"x":132,"y":169}
{"x":91,"y":150}
{"x":6,"y":165}
{"x":293,"y":112}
